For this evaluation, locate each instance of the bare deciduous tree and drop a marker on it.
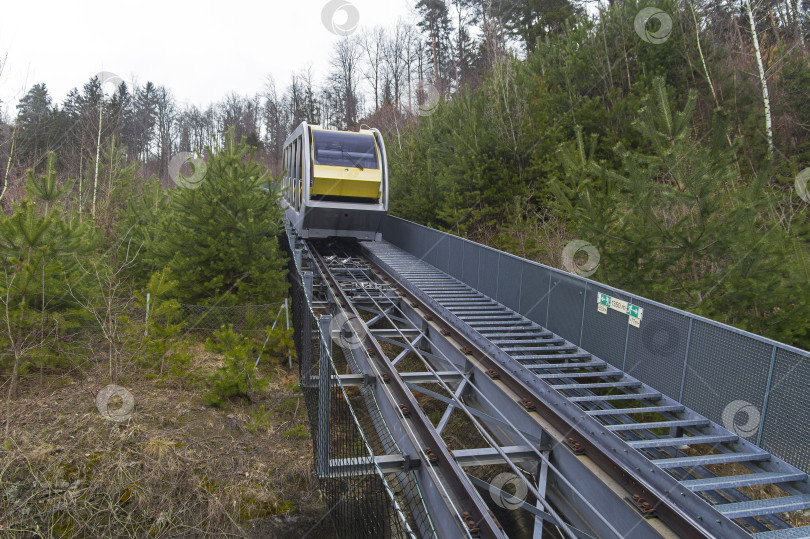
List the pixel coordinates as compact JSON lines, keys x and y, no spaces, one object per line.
{"x":344,"y":79}
{"x":373,"y":43}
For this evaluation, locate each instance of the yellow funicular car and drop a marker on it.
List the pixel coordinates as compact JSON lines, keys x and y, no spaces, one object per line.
{"x":335,"y":182}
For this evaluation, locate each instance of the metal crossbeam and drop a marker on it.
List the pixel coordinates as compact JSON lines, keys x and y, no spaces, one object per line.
{"x":487,"y":456}
{"x":350,"y":380}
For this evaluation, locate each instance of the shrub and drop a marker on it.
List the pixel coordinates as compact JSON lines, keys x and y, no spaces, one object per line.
{"x":237,"y":378}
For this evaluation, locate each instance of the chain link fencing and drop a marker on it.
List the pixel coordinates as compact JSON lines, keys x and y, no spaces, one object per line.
{"x":245,"y":319}
{"x":84,"y":331}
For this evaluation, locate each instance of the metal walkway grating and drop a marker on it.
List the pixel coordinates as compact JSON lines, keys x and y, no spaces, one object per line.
{"x":704,"y":457}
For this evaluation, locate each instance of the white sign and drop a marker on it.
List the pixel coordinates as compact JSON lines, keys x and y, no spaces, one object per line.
{"x":618,"y":305}
{"x":634,"y":312}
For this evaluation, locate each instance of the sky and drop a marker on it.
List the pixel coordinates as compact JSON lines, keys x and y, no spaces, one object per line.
{"x":200,"y":50}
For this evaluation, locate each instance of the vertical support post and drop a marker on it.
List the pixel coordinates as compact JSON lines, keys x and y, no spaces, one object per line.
{"x":542,"y":479}
{"x":626,"y":342}
{"x":767,"y":397}
{"x":146,"y":321}
{"x":520,"y":291}
{"x":307,"y":276}
{"x":305,"y":361}
{"x":324,"y":393}
{"x":685,"y":361}
{"x":582,"y":317}
{"x":497,"y":277}
{"x":298,"y":255}
{"x":287,"y":320}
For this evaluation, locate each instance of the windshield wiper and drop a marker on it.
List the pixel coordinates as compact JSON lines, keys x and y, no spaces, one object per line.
{"x":353,"y":162}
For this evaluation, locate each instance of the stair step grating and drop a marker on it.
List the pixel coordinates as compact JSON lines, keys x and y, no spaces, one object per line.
{"x":722,"y":458}
{"x":685,"y":440}
{"x":771,"y":506}
{"x":736,"y":481}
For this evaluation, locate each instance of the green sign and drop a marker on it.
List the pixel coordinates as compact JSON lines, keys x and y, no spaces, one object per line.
{"x":633,"y":311}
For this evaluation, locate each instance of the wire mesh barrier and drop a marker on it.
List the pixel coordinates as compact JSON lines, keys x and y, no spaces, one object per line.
{"x":94,"y":328}
{"x":242,"y":318}
{"x":755,"y":387}
{"x":203,"y":319}
{"x":349,"y":434}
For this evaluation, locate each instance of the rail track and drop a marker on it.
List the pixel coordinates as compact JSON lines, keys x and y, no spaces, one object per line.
{"x":485,"y":424}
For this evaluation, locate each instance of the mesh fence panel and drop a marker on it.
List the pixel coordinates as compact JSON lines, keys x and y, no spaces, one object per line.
{"x":603,"y":335}
{"x":471,"y":256}
{"x":723,"y":371}
{"x":788,"y":414}
{"x":565,"y":310}
{"x":488,"y":273}
{"x":510,"y":273}
{"x":535,"y":283}
{"x":656,"y":352}
{"x":455,"y":254}
{"x":243,"y":318}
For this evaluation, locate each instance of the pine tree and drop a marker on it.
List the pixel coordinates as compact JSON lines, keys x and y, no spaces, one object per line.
{"x":221,"y":238}
{"x":34,"y":123}
{"x":40,"y":245}
{"x":39,"y":240}
{"x":45,"y":188}
{"x":435,"y":23}
{"x":661,"y":221}
{"x":676,"y":223}
{"x":531,"y":20}
{"x":142,"y":228}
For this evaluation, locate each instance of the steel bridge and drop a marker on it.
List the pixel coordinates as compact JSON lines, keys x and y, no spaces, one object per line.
{"x":457,"y":391}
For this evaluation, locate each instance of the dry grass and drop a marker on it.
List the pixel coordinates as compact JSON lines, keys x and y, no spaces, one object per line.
{"x":175,"y":469}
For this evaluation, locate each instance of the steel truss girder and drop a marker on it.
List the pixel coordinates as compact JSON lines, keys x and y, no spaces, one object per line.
{"x":502,"y":430}
{"x":491,"y":421}
{"x":462,"y":496}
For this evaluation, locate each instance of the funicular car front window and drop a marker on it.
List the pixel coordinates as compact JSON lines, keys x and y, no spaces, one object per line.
{"x":344,"y":149}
